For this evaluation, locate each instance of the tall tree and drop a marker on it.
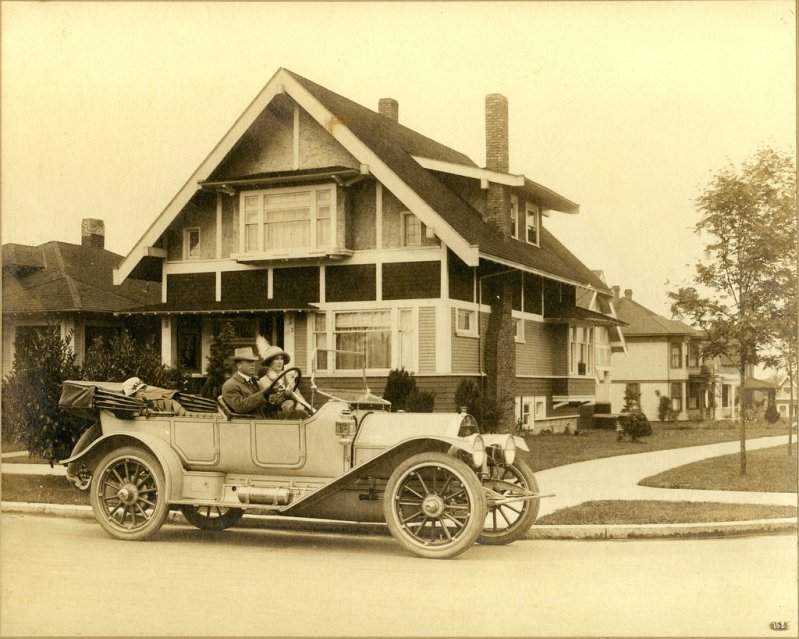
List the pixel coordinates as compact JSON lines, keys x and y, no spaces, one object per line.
{"x":748,"y":215}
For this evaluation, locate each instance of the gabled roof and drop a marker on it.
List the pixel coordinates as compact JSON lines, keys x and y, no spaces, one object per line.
{"x":643,"y":322}
{"x":387,"y":148}
{"x":68,"y":278}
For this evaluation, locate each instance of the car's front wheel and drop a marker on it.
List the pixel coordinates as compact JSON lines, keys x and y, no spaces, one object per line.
{"x":508,"y":520}
{"x":434,"y":505}
{"x":128,"y":494}
{"x":213,"y":518}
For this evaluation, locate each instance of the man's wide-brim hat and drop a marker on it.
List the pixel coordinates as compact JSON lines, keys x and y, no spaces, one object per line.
{"x":274,"y":351}
{"x":245,"y":354}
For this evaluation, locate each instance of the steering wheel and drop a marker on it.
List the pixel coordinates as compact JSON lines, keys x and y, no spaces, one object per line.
{"x":290,"y":386}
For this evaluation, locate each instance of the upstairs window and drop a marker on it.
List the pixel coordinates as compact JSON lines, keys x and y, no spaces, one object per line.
{"x":676,"y":355}
{"x":694,"y":358}
{"x":191,"y":243}
{"x":581,"y":350}
{"x":411,"y":230}
{"x":533,"y":221}
{"x":288,"y":218}
{"x":514,"y":216}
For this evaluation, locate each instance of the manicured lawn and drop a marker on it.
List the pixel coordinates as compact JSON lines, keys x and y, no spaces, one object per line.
{"x":661,"y":512}
{"x":549,"y":451}
{"x":767,"y":470}
{"x":41,"y":489}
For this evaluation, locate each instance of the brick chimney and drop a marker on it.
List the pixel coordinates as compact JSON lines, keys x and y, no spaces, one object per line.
{"x":497,"y":159}
{"x":388,"y":108}
{"x":92,"y":233}
{"x":616,"y":290}
{"x":628,"y":294}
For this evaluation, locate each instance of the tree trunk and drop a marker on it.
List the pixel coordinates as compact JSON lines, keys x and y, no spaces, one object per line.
{"x":791,"y":412}
{"x":743,"y":415}
{"x":499,"y":355}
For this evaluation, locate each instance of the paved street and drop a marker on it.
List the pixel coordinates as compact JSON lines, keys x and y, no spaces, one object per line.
{"x":66,"y":577}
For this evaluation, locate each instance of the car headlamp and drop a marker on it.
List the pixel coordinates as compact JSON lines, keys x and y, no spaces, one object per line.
{"x":509,"y":450}
{"x":478,"y":451}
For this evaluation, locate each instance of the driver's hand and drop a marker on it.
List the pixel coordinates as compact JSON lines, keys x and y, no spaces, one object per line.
{"x":274,"y":398}
{"x":289,"y":394}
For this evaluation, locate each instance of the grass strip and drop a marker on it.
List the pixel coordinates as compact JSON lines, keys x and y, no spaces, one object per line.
{"x":550,"y":451}
{"x":767,"y":470}
{"x":42,"y":489}
{"x":601,"y":513}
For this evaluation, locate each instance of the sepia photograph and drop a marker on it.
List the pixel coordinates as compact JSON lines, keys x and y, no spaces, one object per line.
{"x":398,"y":319}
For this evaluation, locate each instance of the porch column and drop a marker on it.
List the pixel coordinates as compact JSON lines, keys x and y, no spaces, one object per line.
{"x":167,"y":341}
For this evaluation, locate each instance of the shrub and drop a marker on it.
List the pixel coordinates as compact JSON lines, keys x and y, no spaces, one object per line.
{"x":121,"y":357}
{"x":483,"y":409}
{"x":636,"y":425}
{"x":218,"y":364}
{"x":665,"y":411}
{"x":420,"y":401}
{"x":399,"y":386}
{"x":31,"y":416}
{"x":772,"y":415}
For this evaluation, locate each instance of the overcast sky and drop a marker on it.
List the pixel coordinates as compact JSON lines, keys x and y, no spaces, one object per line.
{"x":626,"y":108}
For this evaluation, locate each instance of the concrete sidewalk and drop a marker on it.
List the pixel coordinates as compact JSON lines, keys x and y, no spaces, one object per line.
{"x":616,"y":478}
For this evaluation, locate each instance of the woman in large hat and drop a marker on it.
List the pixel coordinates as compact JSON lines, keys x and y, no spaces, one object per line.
{"x":293,"y":404}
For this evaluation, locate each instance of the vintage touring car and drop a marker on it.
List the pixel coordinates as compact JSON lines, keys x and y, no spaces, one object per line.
{"x":433,"y":478}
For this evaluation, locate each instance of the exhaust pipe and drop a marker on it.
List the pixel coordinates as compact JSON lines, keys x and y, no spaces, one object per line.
{"x":268,"y":496}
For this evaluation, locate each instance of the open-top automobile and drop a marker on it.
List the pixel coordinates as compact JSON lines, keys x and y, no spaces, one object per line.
{"x":433,"y":478}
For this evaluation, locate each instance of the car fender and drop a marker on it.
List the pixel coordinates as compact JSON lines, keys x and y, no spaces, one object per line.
{"x":173,"y":469}
{"x":382,"y":465}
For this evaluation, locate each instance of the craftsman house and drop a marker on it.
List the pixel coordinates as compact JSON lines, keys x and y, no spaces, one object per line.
{"x":786,"y":398}
{"x":664,"y":359}
{"x":72,"y":286}
{"x":320,"y":223}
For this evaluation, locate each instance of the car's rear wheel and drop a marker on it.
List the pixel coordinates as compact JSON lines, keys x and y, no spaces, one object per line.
{"x":434,"y":505}
{"x":128,"y":494}
{"x":507,"y":522}
{"x":213,"y":518}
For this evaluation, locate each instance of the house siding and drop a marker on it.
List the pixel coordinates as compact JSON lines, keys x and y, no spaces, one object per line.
{"x":301,"y":347}
{"x":540,"y":351}
{"x":318,"y":148}
{"x":296,"y":286}
{"x":411,"y":280}
{"x":427,"y":340}
{"x":361,"y":231}
{"x":355,"y":283}
{"x":245,"y":287}
{"x":201,"y":214}
{"x":230,"y":226}
{"x":465,"y":350}
{"x":191,"y":288}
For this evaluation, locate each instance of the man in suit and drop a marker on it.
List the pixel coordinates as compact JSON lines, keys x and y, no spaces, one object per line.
{"x":241,"y":392}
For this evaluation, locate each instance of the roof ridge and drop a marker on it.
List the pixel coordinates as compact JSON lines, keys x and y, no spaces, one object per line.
{"x":73,"y":290}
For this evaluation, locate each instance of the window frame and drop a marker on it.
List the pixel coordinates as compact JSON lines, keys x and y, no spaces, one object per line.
{"x":672,"y":353}
{"x":313,"y":218}
{"x":581,"y":351}
{"x":514,"y":217}
{"x":534,"y":211}
{"x":676,"y":397}
{"x":466,"y":332}
{"x":405,"y":216}
{"x":187,"y":233}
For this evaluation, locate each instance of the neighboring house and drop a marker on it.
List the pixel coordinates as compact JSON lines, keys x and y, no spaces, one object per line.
{"x":784,"y":398}
{"x":664,"y":359}
{"x":320,"y":223}
{"x":71,"y":286}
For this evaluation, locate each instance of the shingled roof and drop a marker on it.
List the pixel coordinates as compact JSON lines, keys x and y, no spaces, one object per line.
{"x":396,"y":144}
{"x":63,"y":277}
{"x":643,"y":322}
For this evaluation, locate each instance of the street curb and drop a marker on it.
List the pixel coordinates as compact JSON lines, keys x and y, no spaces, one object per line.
{"x":641,"y":531}
{"x":659,"y":531}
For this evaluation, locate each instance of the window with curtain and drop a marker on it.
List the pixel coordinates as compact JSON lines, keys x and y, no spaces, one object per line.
{"x":363,"y":331}
{"x":282,"y":218}
{"x":676,"y":397}
{"x":676,"y":355}
{"x":320,"y":340}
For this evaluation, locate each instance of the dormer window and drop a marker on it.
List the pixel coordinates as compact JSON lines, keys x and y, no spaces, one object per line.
{"x":297,"y":217}
{"x":514,"y":217}
{"x":533,"y":221}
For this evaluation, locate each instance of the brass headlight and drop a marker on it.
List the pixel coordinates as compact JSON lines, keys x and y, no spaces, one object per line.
{"x":478,"y":451}
{"x":509,"y":450}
